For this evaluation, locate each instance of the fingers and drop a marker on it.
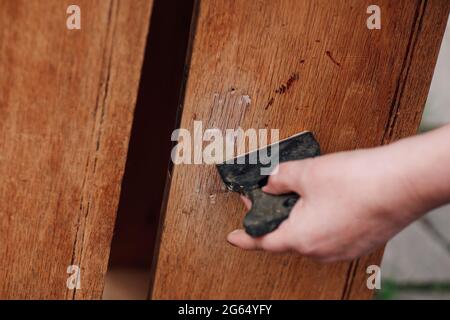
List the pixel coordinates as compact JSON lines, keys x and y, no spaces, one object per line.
{"x":287,"y":177}
{"x":274,"y":241}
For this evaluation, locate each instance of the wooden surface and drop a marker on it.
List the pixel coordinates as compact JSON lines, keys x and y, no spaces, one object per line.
{"x":356,"y":88}
{"x":66,"y":104}
{"x":407,"y":107}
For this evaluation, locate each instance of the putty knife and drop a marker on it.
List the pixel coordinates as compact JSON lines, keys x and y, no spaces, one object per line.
{"x":244,"y":176}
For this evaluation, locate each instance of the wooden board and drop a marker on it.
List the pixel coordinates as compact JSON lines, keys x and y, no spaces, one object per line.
{"x":407,"y":107}
{"x":356,"y":88}
{"x":66,"y":104}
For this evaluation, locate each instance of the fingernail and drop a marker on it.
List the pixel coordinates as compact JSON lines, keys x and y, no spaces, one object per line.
{"x":228,"y":237}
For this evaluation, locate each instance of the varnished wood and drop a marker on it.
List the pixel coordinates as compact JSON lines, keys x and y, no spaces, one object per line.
{"x":66,"y":104}
{"x":356,"y":88}
{"x":407,"y":111}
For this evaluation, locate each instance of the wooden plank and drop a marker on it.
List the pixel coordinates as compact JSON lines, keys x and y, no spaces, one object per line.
{"x":353,"y":86}
{"x":66,"y":108}
{"x":407,"y":112}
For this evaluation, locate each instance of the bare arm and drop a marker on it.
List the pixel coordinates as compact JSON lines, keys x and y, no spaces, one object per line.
{"x":352,"y":202}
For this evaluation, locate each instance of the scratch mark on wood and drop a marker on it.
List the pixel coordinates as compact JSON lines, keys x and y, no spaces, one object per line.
{"x":269,"y":103}
{"x":328,"y":53}
{"x":286,"y":86}
{"x":283,"y":88}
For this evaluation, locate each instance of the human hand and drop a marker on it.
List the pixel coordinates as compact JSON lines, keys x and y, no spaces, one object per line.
{"x":351,"y":203}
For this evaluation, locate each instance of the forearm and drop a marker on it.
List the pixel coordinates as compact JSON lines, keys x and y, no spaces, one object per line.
{"x":355,"y":201}
{"x":423,"y":162}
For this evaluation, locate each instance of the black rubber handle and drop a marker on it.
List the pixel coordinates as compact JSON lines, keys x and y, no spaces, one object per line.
{"x":243,"y":176}
{"x":267,"y":212}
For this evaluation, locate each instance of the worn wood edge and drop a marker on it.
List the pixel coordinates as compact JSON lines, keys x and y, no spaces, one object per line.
{"x":157,"y":244}
{"x":88,"y":260}
{"x":406,"y":113}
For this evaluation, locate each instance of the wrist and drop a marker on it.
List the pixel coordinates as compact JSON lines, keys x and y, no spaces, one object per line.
{"x":405,"y":200}
{"x":419,"y":164}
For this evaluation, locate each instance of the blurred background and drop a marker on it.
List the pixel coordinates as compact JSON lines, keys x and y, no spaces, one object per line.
{"x":416,"y":263}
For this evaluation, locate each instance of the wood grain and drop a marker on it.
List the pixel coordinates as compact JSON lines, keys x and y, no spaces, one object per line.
{"x":357,"y":88}
{"x":66,"y":106}
{"x":406,"y":111}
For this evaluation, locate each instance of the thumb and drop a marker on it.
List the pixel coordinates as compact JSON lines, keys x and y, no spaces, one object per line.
{"x":287,"y":177}
{"x":276,"y":241}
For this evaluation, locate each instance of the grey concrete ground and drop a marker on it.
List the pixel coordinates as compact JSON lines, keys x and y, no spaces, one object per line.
{"x":437,"y":111}
{"x":416,"y":264}
{"x":418,"y":260}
